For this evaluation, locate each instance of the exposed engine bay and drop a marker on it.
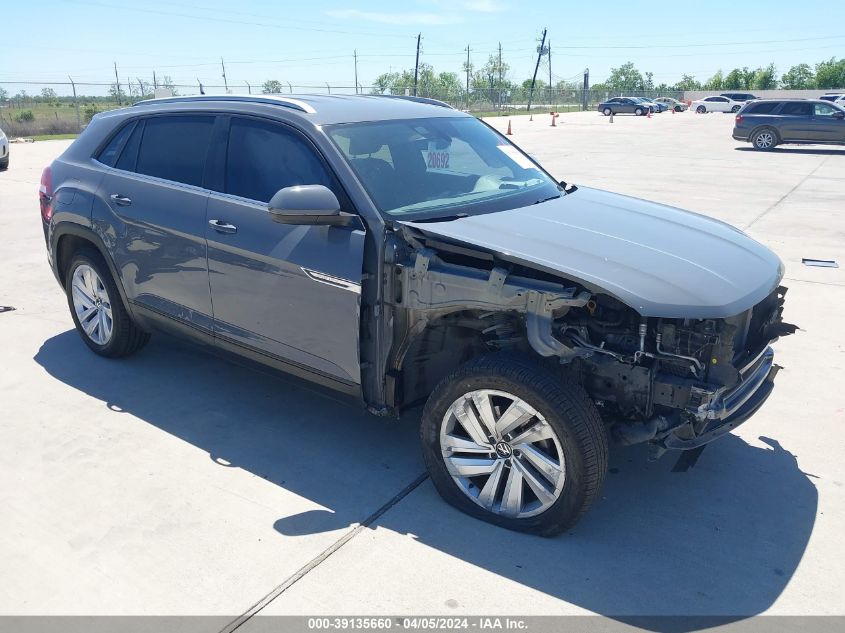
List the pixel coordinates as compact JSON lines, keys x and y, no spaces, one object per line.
{"x":674,"y":382}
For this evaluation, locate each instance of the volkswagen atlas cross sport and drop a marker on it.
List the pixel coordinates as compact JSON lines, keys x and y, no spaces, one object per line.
{"x":402,"y":252}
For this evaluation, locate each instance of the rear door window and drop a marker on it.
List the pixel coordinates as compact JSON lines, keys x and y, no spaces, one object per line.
{"x":264,"y":157}
{"x":175,"y":148}
{"x":797,"y":109}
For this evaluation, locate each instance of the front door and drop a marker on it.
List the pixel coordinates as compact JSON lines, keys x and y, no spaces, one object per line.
{"x":290,"y":292}
{"x":155,"y":194}
{"x":825,"y":127}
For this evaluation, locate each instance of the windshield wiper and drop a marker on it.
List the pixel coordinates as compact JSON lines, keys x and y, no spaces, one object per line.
{"x":547,"y":199}
{"x":441,"y":218}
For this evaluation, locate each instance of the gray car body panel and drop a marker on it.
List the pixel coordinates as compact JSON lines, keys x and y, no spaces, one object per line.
{"x":659,"y":260}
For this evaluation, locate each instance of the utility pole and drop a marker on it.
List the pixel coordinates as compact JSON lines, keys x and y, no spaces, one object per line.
{"x":536,"y":68}
{"x":417,"y":65}
{"x":140,"y":86}
{"x":500,"y":76}
{"x":202,"y":90}
{"x":76,"y":105}
{"x":586,"y":93}
{"x":117,"y":84}
{"x":550,"y":71}
{"x":467,"y":94}
{"x":248,"y":87}
{"x":355,"y":55}
{"x":225,"y":82}
{"x":155,"y":82}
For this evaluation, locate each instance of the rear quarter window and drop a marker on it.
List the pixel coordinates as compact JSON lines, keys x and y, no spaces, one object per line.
{"x":763,"y":108}
{"x":108,"y":155}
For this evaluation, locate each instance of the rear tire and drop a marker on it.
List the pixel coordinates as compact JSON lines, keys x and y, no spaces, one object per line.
{"x":4,"y":164}
{"x":764,"y":140}
{"x":492,"y":473}
{"x":735,"y":109}
{"x":93,"y":297}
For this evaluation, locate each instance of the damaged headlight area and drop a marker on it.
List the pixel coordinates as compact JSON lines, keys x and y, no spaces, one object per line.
{"x":677,"y":383}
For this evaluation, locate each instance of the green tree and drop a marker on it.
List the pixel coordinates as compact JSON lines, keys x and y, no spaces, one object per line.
{"x":831,"y":74}
{"x":626,"y":78}
{"x":716,"y":82}
{"x":735,"y":80}
{"x":48,"y":94}
{"x":4,"y":95}
{"x":688,"y":82}
{"x":798,"y":77}
{"x":765,"y":78}
{"x":271,"y":87}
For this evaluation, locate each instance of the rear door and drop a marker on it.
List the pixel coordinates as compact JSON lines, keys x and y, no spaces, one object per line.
{"x":287,"y":291}
{"x":157,"y":201}
{"x":795,"y":121}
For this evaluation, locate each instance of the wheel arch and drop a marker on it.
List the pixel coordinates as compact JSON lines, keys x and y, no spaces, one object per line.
{"x":69,"y":238}
{"x":764,"y":126}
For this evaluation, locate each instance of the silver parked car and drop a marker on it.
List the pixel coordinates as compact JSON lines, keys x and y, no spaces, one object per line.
{"x":4,"y":150}
{"x":672,"y":104}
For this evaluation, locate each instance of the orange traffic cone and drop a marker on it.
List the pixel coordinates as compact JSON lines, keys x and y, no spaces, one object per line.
{"x":531,"y":118}
{"x":554,"y":116}
{"x":509,"y":133}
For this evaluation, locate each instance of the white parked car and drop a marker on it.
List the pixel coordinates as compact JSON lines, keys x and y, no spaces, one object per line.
{"x":715,"y":104}
{"x":4,"y":151}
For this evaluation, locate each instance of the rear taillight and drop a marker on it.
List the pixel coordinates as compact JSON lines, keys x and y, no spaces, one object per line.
{"x":738,"y":119}
{"x":45,"y":194}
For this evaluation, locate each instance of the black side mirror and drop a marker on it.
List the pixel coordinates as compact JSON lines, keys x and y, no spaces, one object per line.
{"x":839,"y":115}
{"x":307,"y":204}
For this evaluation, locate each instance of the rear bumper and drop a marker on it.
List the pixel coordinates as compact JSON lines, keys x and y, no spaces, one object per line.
{"x":727,"y":410}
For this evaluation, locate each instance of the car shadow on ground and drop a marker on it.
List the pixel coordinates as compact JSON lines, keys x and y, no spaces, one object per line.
{"x":797,"y":150}
{"x":722,"y":538}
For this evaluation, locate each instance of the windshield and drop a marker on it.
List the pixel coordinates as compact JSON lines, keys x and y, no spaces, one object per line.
{"x":429,"y":168}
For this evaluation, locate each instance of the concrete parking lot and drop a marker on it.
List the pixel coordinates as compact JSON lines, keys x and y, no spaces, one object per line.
{"x":176,"y":482}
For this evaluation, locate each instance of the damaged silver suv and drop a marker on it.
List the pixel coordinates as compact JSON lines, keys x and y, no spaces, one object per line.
{"x":400,"y":251}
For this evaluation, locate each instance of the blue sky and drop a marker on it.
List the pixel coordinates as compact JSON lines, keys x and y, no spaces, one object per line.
{"x":312,"y":43}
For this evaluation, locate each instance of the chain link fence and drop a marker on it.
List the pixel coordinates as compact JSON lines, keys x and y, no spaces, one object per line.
{"x":30,"y":108}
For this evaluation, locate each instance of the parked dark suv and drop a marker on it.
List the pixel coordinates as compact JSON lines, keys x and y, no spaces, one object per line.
{"x":771,"y":122}
{"x":400,"y":251}
{"x":739,"y":96}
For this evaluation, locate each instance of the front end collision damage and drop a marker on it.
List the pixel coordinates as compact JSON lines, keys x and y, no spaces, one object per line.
{"x":675,"y":383}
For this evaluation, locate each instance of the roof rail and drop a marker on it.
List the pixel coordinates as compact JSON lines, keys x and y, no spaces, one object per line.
{"x":285,"y":102}
{"x":433,"y":102}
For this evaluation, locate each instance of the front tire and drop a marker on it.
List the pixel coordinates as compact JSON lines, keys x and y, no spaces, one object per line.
{"x":97,"y":309}
{"x":514,"y":444}
{"x":638,"y":111}
{"x":4,"y":164}
{"x":607,"y":111}
{"x":701,"y":109}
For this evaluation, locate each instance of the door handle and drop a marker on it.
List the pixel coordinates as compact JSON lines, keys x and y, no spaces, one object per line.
{"x":222,"y":226}
{"x":123,"y":201}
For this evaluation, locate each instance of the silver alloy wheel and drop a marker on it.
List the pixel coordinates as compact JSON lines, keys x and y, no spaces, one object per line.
{"x":764,"y":140}
{"x":92,"y":304}
{"x":502,"y":453}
